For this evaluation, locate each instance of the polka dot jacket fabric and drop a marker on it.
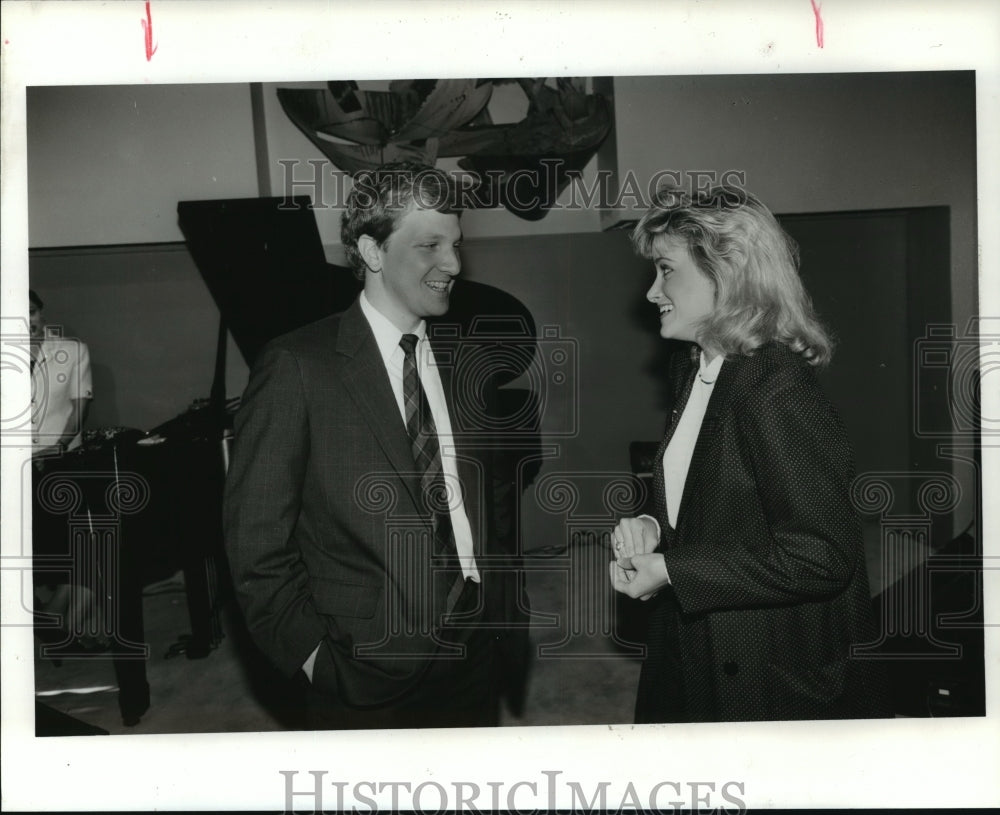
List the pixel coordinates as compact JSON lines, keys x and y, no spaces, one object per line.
{"x":769,"y":588}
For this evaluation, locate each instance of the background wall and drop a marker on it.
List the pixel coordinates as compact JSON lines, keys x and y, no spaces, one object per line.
{"x":107,"y":164}
{"x":818,"y":143}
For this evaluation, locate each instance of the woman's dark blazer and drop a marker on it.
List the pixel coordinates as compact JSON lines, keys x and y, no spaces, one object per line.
{"x":769,"y":589}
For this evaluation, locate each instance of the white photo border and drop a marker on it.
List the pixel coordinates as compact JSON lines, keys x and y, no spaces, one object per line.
{"x":901,"y":763}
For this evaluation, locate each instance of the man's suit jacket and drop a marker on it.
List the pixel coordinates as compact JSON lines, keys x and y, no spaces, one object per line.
{"x":325,"y":532}
{"x":769,"y":588}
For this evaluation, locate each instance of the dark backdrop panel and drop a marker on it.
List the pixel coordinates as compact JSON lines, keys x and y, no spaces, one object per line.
{"x":879,"y":280}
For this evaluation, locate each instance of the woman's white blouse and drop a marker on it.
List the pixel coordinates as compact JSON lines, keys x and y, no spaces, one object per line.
{"x":677,"y":457}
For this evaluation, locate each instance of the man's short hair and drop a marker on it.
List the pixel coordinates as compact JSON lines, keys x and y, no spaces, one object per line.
{"x":382,"y":196}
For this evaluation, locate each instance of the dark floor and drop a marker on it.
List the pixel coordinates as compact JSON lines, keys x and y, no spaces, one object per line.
{"x":579,"y":675}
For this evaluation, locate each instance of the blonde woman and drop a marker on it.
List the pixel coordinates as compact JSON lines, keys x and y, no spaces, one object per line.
{"x":753,"y":564}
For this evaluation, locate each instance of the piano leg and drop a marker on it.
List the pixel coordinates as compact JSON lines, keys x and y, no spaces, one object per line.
{"x":129,"y":651}
{"x":201,"y":589}
{"x":201,"y":555}
{"x":130,"y":670}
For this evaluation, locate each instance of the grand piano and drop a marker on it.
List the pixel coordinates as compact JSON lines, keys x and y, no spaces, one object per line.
{"x":153,"y":498}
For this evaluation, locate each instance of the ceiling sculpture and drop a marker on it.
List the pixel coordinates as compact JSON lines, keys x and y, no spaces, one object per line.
{"x":522,"y":166}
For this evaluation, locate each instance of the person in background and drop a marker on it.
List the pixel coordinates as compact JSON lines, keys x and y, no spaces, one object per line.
{"x":61,"y":385}
{"x":61,"y":393}
{"x":753,"y":565}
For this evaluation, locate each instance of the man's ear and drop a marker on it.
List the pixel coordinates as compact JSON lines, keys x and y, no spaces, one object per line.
{"x":369,"y":251}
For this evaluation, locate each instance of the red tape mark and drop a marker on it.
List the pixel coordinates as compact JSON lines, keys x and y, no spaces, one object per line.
{"x":147,"y":27}
{"x":817,"y":11}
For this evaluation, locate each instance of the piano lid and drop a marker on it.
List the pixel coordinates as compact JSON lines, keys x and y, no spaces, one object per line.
{"x":262,"y":259}
{"x":263,"y":262}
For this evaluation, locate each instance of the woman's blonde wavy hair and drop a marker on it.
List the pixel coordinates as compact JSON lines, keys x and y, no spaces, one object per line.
{"x":738,"y":243}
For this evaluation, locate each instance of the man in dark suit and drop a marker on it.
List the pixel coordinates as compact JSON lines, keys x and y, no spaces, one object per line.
{"x":357,"y":503}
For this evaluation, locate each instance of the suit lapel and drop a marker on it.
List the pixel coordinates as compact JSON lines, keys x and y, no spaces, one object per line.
{"x":682,"y":374}
{"x":681,"y":378}
{"x":709,"y":426}
{"x":367,"y":380}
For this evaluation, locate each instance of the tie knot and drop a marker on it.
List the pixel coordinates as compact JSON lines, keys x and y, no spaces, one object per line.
{"x":408,"y":342}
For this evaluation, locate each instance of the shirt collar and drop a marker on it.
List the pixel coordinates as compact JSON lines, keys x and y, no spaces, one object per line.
{"x":386,"y":334}
{"x":43,"y":344}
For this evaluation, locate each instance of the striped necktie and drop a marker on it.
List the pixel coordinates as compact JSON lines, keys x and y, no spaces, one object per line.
{"x":426,"y":450}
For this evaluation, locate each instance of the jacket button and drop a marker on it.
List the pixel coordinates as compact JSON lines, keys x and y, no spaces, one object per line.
{"x":730,"y":668}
